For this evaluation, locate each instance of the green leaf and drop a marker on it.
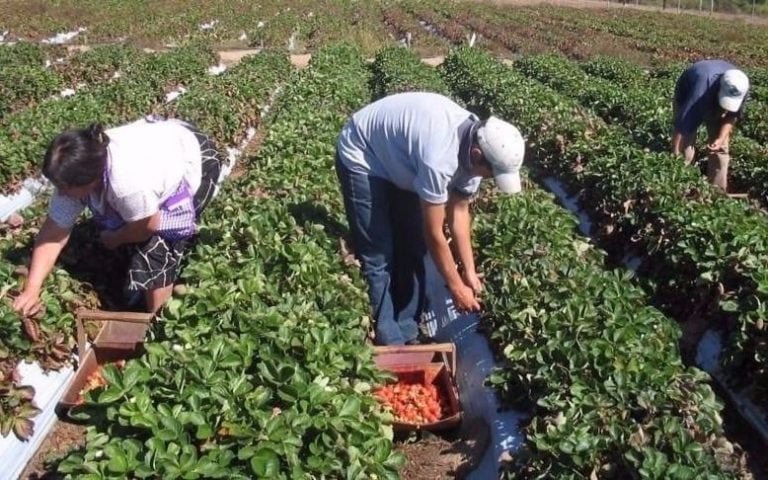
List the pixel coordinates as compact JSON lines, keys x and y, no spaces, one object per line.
{"x":118,"y":462}
{"x":265,"y":463}
{"x":111,"y":394}
{"x":351,"y":407}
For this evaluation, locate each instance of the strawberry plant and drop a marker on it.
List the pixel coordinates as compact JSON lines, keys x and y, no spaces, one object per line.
{"x":99,"y":64}
{"x":17,"y":409}
{"x":599,"y":368}
{"x":227,"y":106}
{"x":24,"y":85}
{"x":704,"y":253}
{"x":26,"y":134}
{"x":546,"y":362}
{"x":28,"y":53}
{"x":264,"y":368}
{"x":397,"y":70}
{"x":646,"y":112}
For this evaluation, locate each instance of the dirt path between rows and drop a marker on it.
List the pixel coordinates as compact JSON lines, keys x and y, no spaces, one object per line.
{"x":672,"y":9}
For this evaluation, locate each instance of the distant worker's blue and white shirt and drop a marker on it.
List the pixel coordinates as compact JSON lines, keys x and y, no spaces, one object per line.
{"x":418,"y":141}
{"x":696,"y":95}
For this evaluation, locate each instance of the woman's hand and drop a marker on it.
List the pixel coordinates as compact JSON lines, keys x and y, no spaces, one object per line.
{"x":28,"y":302}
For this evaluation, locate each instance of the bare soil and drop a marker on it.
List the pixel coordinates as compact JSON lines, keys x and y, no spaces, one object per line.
{"x":433,"y":457}
{"x":63,"y":438}
{"x":757,"y":20}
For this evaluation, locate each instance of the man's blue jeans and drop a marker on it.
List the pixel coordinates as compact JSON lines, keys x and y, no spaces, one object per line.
{"x":386,"y":227}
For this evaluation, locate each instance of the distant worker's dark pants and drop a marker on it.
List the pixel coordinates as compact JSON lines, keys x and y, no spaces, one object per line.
{"x":717,"y":162}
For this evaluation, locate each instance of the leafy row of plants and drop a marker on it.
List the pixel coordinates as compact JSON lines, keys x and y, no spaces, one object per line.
{"x":666,"y":38}
{"x":228,"y":105}
{"x":397,"y":69}
{"x":611,"y":396}
{"x":599,"y":367}
{"x":646,"y":113}
{"x":704,"y":253}
{"x":445,"y":27}
{"x":260,"y":369}
{"x":25,"y":85}
{"x":403,"y":25}
{"x":26,"y":134}
{"x":52,"y":348}
{"x":268,"y":24}
{"x":29,"y":82}
{"x":98,"y":64}
{"x":28,"y":53}
{"x":47,"y":339}
{"x":629,"y":75}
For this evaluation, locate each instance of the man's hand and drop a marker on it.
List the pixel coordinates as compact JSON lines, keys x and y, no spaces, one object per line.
{"x":28,"y":303}
{"x":464,"y":299}
{"x":716,"y":145}
{"x":473,"y":281}
{"x":111,"y":240}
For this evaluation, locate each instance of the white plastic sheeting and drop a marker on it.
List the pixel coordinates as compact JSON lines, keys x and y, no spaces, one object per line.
{"x":475,"y":362}
{"x":10,"y":204}
{"x":209,"y":25}
{"x":571,"y":203}
{"x":708,"y":354}
{"x":61,"y":38}
{"x":217,"y":69}
{"x":174,"y":94}
{"x":49,"y":387}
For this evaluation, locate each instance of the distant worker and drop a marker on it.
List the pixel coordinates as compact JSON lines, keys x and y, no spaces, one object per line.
{"x":409,"y":163}
{"x":712,"y":92}
{"x":145,"y":183}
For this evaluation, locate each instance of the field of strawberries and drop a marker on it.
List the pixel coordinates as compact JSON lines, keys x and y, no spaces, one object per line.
{"x":260,"y":366}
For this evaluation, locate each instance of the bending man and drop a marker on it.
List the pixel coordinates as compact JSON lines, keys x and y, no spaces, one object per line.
{"x":712,"y":92}
{"x":407,"y":164}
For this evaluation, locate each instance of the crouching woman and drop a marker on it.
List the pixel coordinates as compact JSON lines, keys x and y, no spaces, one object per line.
{"x":145,"y":183}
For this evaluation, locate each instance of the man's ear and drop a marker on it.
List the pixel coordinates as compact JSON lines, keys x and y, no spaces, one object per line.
{"x":476,"y":155}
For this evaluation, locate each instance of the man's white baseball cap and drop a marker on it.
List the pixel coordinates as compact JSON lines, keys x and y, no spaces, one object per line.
{"x":734,"y":85}
{"x":504,"y":148}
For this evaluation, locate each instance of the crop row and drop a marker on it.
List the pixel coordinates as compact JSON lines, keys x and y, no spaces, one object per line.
{"x":575,"y":32}
{"x":260,"y":369}
{"x":705,"y":253}
{"x":30,"y":53}
{"x":26,"y":134}
{"x":298,"y":25}
{"x":29,"y":82}
{"x":644,"y":112}
{"x":628,"y":75}
{"x":666,"y":38}
{"x":242,"y":89}
{"x":602,"y":368}
{"x":394,"y":71}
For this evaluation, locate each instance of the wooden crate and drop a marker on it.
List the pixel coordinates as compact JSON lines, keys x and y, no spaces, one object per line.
{"x":427,"y":364}
{"x":121,"y":336}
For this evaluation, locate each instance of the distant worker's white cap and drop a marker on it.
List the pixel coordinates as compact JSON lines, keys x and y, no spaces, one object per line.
{"x":734,"y":85}
{"x":504,"y":148}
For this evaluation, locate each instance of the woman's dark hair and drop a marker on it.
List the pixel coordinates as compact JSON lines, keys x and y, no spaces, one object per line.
{"x":76,"y":157}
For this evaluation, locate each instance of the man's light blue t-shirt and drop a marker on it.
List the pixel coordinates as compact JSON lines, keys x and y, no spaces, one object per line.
{"x":418,"y":141}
